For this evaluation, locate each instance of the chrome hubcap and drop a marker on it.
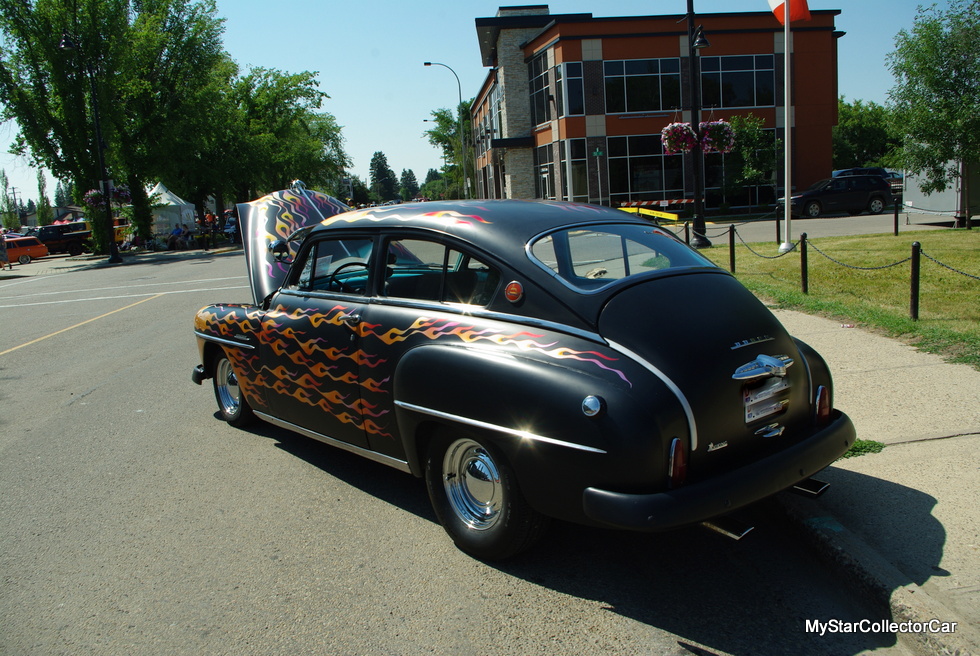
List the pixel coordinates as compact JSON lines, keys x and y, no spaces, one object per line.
{"x":472,"y":484}
{"x":226,"y":383}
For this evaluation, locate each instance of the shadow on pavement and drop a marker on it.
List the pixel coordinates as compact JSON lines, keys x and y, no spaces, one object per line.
{"x":733,"y":597}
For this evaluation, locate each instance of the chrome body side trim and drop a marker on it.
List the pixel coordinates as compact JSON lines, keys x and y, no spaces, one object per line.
{"x":524,"y":435}
{"x":222,"y":340}
{"x":692,"y":425}
{"x":400,"y":465}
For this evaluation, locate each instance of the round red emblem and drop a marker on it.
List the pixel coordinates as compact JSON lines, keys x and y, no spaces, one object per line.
{"x":514,"y":291}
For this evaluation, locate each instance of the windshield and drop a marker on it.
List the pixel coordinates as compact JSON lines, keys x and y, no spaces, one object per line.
{"x":592,"y":257}
{"x":819,"y":184}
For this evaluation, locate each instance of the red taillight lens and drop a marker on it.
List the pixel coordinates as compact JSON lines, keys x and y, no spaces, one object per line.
{"x":677,"y":467}
{"x":822,"y":411}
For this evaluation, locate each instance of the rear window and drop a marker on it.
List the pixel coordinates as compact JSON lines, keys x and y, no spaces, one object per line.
{"x":592,"y":257}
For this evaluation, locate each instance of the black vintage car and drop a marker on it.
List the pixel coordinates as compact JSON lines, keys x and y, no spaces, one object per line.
{"x":529,"y":359}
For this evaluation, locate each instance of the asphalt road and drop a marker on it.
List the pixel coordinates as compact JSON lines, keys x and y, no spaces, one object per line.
{"x":133,"y":521}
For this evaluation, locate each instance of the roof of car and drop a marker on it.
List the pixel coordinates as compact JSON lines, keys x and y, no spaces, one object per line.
{"x":492,"y":224}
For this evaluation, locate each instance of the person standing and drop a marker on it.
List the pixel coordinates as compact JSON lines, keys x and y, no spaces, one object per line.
{"x":3,"y":253}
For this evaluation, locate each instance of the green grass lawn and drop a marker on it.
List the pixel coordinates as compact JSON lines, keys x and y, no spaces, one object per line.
{"x":949,"y":302}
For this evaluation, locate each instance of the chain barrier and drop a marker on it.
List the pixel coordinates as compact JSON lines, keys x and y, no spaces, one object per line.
{"x":765,"y":257}
{"x":946,"y":266}
{"x":851,"y":266}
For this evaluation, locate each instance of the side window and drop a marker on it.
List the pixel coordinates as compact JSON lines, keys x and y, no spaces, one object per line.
{"x":426,"y":270}
{"x":336,"y":265}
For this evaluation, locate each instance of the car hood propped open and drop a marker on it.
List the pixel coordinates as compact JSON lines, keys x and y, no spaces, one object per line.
{"x":275,"y":217}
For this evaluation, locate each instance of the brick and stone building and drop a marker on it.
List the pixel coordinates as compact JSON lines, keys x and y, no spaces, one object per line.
{"x":573,"y":105}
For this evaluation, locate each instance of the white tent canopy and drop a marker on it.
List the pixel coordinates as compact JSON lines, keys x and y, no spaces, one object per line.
{"x":169,"y":209}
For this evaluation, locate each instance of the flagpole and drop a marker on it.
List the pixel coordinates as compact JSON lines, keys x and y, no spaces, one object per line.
{"x":787,"y":245}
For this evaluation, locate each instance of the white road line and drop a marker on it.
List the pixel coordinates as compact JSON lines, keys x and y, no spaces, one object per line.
{"x":109,"y":298}
{"x":64,"y":330}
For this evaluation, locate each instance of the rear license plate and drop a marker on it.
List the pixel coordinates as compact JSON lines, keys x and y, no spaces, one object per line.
{"x":765,"y":399}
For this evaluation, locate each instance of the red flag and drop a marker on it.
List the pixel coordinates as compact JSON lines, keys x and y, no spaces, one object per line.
{"x":798,"y":10}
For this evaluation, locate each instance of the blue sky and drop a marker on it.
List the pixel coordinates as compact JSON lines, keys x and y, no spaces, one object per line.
{"x":369,"y":57}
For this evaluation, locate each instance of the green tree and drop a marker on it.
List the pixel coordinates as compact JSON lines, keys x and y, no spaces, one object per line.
{"x":455,"y":147}
{"x":45,"y":215}
{"x":750,"y":164}
{"x":277,"y":135}
{"x":862,"y":136}
{"x":146,"y":63}
{"x":61,"y":195}
{"x":384,"y":184}
{"x":936,"y":97}
{"x":434,"y":186}
{"x":8,"y":213}
{"x":408,"y":185}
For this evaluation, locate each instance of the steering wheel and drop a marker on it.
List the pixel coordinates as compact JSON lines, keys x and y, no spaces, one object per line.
{"x":341,"y":285}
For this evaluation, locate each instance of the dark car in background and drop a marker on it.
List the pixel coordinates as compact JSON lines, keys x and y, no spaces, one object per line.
{"x":71,"y":238}
{"x":528,"y":359}
{"x":850,"y":194}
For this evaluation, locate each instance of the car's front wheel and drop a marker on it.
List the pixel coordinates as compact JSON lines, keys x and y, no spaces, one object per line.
{"x":232,"y":405}
{"x":876,"y":205}
{"x":475,"y":495}
{"x":811,"y":210}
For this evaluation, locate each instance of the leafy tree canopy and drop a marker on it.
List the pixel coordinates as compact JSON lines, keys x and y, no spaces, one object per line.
{"x":408,"y":185}
{"x":936,"y":97}
{"x":862,"y":136}
{"x":384,"y":183}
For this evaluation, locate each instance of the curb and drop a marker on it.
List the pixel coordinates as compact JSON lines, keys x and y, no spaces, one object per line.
{"x":880,"y":581}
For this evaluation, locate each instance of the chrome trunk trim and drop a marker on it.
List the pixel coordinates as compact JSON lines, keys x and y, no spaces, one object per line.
{"x":692,"y":426}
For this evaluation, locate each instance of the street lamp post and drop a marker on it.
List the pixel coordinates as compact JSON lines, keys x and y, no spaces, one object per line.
{"x":696,"y":41}
{"x":462,"y":140}
{"x":69,"y":45}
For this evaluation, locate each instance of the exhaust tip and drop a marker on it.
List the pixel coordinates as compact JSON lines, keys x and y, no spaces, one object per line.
{"x":728,"y":526}
{"x":811,"y":488}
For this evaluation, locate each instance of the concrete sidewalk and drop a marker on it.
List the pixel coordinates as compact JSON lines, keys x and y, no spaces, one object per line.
{"x":904,"y":524}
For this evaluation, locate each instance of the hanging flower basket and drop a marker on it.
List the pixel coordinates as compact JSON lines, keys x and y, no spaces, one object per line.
{"x":717,"y":136}
{"x":95,"y":199}
{"x":678,"y":138}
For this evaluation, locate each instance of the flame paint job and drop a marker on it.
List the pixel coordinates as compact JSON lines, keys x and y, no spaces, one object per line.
{"x":303,"y":365}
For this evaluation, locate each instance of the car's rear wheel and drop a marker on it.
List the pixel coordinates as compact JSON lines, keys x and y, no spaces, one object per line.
{"x":876,"y":205}
{"x":232,"y":405}
{"x":811,"y":209}
{"x":24,"y":259}
{"x":475,"y":495}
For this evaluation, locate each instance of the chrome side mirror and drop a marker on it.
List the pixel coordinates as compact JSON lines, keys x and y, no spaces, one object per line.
{"x":280,"y":251}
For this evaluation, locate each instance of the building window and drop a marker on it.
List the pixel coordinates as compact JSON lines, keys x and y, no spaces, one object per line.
{"x":642,"y":85}
{"x":575,"y":169}
{"x":738,"y":81}
{"x":639,"y":170}
{"x":570,"y":89}
{"x":544,"y":167}
{"x":538,"y":76}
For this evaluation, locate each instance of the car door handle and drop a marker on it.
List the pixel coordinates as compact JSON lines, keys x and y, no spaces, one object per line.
{"x":351,"y":319}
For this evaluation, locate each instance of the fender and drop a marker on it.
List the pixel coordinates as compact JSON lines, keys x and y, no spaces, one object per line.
{"x":817,"y":370}
{"x":531,"y":409}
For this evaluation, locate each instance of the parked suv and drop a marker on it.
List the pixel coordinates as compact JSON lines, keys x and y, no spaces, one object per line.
{"x":852,"y":194}
{"x":870,"y":170}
